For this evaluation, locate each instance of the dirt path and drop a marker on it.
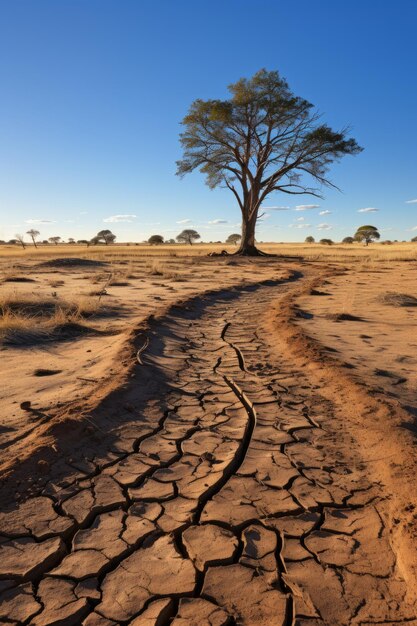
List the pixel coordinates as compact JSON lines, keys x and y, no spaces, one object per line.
{"x":231,"y":493}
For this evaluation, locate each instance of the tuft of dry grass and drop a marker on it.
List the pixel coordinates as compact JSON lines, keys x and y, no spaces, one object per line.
{"x":29,"y":319}
{"x":157,"y":268}
{"x":399,"y":299}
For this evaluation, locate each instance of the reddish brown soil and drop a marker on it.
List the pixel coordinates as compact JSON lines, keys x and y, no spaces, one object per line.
{"x":238,"y":476}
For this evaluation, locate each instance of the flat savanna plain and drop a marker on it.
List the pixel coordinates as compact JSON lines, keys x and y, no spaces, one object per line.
{"x":200,"y":440}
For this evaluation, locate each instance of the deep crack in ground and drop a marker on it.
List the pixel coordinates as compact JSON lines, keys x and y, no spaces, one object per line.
{"x":226,"y":501}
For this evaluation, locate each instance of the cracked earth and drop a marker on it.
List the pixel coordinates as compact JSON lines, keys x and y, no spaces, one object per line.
{"x":229,"y":493}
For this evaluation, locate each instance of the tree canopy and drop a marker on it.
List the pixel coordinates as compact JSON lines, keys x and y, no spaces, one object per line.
{"x":105,"y":235}
{"x":33,"y":234}
{"x":263,"y":139}
{"x":234,"y":238}
{"x":310,"y":239}
{"x":156,"y":240}
{"x":367,"y":234}
{"x":348,"y":240}
{"x":188,"y":236}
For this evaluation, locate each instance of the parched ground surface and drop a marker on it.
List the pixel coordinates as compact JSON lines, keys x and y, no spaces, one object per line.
{"x":220,"y":485}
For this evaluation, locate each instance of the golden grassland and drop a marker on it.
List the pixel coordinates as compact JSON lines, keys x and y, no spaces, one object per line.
{"x":404,"y":251}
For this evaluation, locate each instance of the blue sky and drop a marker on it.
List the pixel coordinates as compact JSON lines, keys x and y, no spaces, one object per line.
{"x":93,"y":91}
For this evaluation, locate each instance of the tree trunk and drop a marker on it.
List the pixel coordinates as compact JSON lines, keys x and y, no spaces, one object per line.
{"x":247,"y":244}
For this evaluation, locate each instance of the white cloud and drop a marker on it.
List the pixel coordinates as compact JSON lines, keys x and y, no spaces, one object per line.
{"x":324,"y":227}
{"x":368,"y":210}
{"x":326,"y":212}
{"x":300,"y":219}
{"x":184,"y":221}
{"x":31,"y":221}
{"x":300,"y":225}
{"x":414,"y":228}
{"x":275,"y":208}
{"x":113,"y":219}
{"x":306,"y":207}
{"x":411,"y":201}
{"x":216,"y":222}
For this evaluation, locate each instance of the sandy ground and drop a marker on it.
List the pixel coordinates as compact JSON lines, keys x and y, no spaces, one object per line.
{"x":240,"y":453}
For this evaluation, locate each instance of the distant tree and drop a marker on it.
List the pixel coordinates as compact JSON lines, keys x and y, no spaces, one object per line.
{"x":310,"y":239}
{"x":55,"y":240}
{"x":19,"y":238}
{"x":80,"y":241}
{"x":388,"y":242}
{"x":326,"y":242}
{"x":414,"y":239}
{"x":261,"y":140}
{"x":156,"y":240}
{"x":106,"y":236}
{"x":170,"y":241}
{"x":12,"y":242}
{"x":367,"y":234}
{"x":234,"y":238}
{"x":188,"y":236}
{"x":348,"y":240}
{"x":71,"y":240}
{"x":33,"y":233}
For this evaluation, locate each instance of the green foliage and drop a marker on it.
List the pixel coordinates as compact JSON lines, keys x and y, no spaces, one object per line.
{"x":348,"y":240}
{"x":188,"y":236}
{"x":326,"y":242}
{"x":104,"y":235}
{"x":156,"y":240}
{"x":310,"y":239}
{"x":262,"y":139}
{"x":367,"y":234}
{"x":234,"y":238}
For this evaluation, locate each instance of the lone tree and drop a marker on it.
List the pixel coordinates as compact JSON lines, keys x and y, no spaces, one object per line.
{"x":156,"y":240}
{"x":106,"y":236}
{"x":367,"y":234}
{"x":55,"y":240}
{"x":348,"y":240}
{"x":188,"y":236}
{"x":414,"y":240}
{"x":234,"y":238}
{"x":33,"y":234}
{"x":310,"y":239}
{"x":326,"y":242}
{"x":19,"y":239}
{"x":261,"y":140}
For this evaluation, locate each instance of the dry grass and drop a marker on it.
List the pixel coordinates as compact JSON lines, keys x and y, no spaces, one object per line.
{"x":399,"y":299}
{"x":158,"y":268}
{"x":27,"y":319}
{"x":119,"y":252}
